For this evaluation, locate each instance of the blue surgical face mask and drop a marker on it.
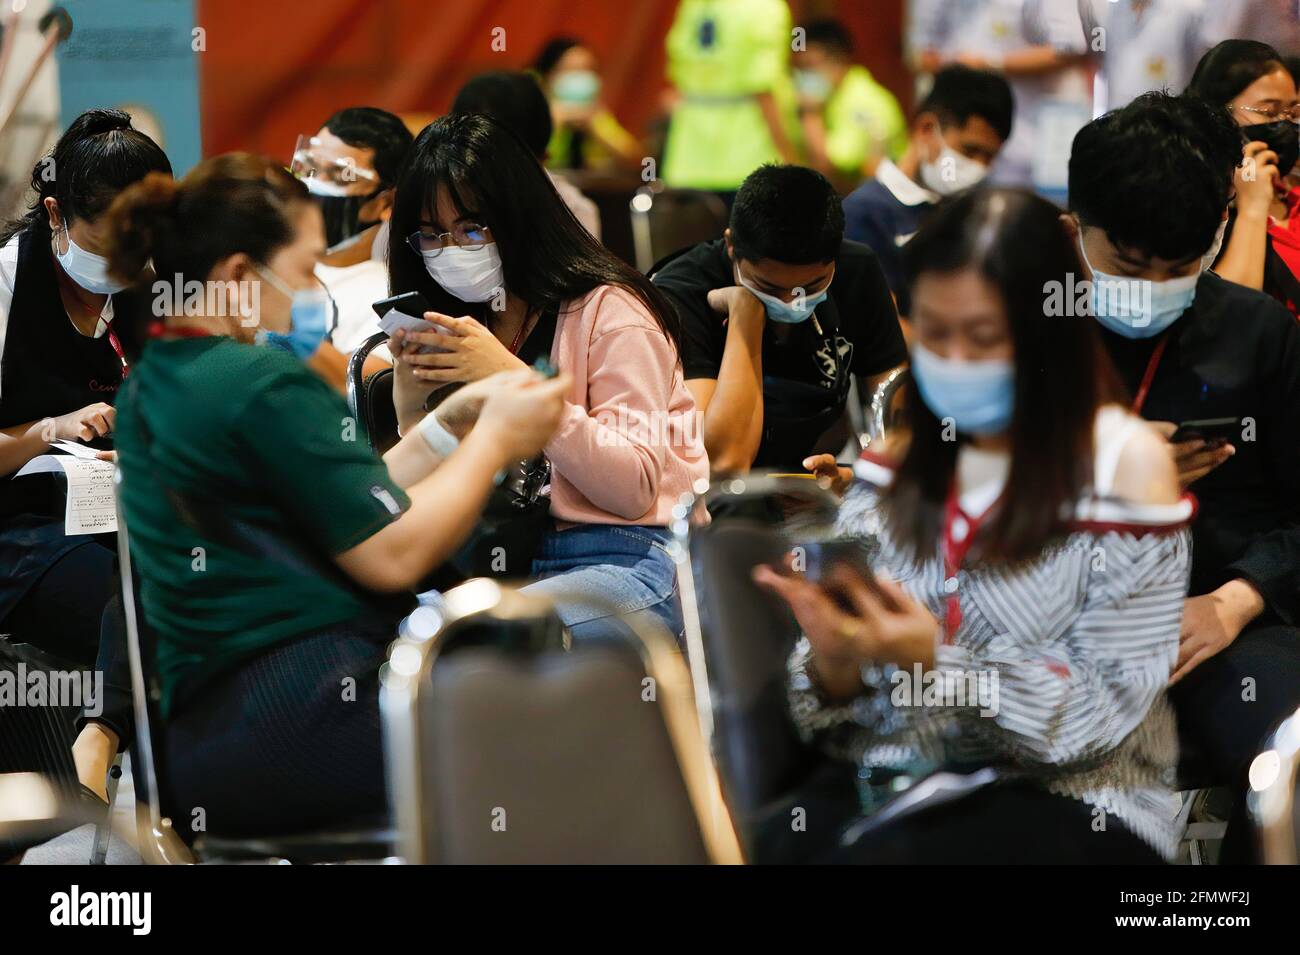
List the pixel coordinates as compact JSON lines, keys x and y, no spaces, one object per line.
{"x":576,"y":87}
{"x":979,"y":396}
{"x":1140,"y":308}
{"x":787,"y":313}
{"x":311,"y":314}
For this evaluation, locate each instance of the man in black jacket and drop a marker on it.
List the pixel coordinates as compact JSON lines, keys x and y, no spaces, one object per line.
{"x":1149,"y":192}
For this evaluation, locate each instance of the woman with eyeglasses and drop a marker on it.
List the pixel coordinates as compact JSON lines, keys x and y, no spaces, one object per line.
{"x":511,"y":275}
{"x":1261,"y":248}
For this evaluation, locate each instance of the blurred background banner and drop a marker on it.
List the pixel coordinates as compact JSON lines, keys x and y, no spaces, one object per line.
{"x":139,"y":56}
{"x":272,"y":71}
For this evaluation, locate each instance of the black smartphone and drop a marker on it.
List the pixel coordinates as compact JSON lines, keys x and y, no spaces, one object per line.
{"x":818,"y":558}
{"x":1213,"y":431}
{"x":411,"y":304}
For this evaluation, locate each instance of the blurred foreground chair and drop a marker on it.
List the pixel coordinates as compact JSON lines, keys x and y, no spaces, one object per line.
{"x":370,"y":397}
{"x":38,"y":739}
{"x":665,"y":221}
{"x":504,"y":746}
{"x":159,"y":841}
{"x":1273,"y":778}
{"x":739,"y":637}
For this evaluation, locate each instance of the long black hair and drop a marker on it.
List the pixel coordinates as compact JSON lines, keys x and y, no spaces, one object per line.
{"x":97,"y":157}
{"x":1015,"y":240}
{"x":547,"y":256}
{"x":1231,"y":66}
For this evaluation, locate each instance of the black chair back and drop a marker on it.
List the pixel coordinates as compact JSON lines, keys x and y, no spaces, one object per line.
{"x":370,"y":397}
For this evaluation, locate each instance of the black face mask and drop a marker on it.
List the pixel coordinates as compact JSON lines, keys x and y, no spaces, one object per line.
{"x":343,"y":216}
{"x":1282,"y":136}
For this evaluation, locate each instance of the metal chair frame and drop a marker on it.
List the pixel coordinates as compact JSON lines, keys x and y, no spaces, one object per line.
{"x":1273,"y":777}
{"x":407,"y":674}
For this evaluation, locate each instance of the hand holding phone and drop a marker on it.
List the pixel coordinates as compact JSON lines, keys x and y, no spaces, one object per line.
{"x":1215,"y":432}
{"x":405,"y":312}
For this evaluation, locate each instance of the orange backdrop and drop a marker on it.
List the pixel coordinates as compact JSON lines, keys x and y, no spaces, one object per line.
{"x":272,"y":70}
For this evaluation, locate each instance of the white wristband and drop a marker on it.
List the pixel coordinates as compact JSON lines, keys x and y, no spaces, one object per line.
{"x":442,"y":441}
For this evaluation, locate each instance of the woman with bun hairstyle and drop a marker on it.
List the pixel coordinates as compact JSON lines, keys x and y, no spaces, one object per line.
{"x":275,"y":552}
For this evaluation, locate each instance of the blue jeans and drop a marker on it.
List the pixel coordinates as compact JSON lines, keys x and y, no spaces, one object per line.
{"x":626,"y":566}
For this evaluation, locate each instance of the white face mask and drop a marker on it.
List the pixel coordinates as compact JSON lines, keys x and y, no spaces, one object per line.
{"x":1207,"y":260}
{"x":472,"y":275}
{"x":87,"y":269}
{"x":951,"y":172}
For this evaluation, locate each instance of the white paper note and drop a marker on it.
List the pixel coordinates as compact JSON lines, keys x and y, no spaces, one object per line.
{"x":76,"y":450}
{"x":91,"y":508}
{"x":392,"y":320}
{"x":41,"y":464}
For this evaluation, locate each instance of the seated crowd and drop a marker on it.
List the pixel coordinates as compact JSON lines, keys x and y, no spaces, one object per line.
{"x":1032,"y":513}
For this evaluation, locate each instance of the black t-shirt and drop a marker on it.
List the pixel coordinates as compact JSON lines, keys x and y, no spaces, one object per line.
{"x":855,"y":329}
{"x":1234,"y":353}
{"x":868,"y":321}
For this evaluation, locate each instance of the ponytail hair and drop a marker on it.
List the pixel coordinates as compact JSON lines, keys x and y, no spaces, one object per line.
{"x":229,"y":204}
{"x":97,"y":157}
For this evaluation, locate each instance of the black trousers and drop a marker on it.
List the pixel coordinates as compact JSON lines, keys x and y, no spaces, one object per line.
{"x":289,"y":742}
{"x":1227,"y":707}
{"x":1014,"y":824}
{"x":61,"y":612}
{"x":1004,"y":824}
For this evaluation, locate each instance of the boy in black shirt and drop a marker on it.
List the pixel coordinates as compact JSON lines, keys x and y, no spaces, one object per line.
{"x":777,"y":315}
{"x":1149,"y":189}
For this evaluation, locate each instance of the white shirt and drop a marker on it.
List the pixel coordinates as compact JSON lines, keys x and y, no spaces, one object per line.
{"x":354,"y":289}
{"x":905,"y":190}
{"x":1150,"y":45}
{"x":994,"y":28}
{"x":8,"y":281}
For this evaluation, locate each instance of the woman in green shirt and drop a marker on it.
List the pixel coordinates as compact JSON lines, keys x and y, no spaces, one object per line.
{"x":271,"y":544}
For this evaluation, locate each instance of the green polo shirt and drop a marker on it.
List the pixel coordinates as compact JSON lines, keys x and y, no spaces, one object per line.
{"x":721,"y":53}
{"x":260,"y":438}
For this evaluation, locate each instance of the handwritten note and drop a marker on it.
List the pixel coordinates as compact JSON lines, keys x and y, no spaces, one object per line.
{"x":91,"y":508}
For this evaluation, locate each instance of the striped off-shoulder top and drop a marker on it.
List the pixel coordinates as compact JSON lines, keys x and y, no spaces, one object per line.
{"x":1054,"y":669}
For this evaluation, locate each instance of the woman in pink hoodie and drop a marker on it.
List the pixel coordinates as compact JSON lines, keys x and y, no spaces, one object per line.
{"x":479,"y":230}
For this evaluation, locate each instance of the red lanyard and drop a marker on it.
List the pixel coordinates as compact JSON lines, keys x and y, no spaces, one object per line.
{"x":117,"y":347}
{"x":1149,"y":375}
{"x":519,"y":335}
{"x":959,"y":532}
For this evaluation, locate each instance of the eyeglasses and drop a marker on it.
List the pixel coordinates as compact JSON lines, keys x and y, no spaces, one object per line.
{"x":469,"y":236}
{"x":1274,"y":113}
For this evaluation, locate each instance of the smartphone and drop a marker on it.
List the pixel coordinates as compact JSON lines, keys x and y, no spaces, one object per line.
{"x":820,"y":557}
{"x":1215,"y":432}
{"x":406,"y":311}
{"x":410,"y":304}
